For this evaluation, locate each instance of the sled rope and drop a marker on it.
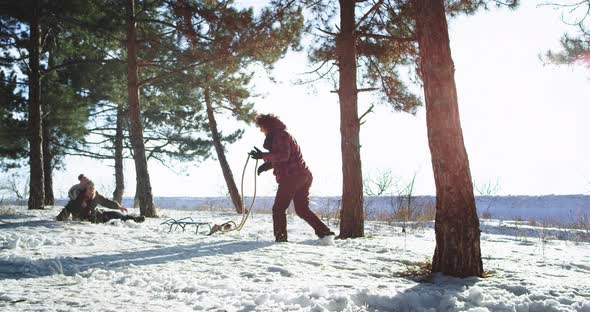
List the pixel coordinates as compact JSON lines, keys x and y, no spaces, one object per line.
{"x":231,"y":225}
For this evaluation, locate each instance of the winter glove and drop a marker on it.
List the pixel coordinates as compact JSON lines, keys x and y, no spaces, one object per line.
{"x":255,"y":153}
{"x":264,"y":167}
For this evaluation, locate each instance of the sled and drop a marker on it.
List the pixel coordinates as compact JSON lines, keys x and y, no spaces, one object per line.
{"x":183,"y":222}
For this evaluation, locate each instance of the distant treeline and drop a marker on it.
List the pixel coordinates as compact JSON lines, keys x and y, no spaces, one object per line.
{"x":562,"y":208}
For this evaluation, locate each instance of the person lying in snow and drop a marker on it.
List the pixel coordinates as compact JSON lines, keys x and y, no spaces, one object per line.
{"x":83,"y":201}
{"x":292,"y":175}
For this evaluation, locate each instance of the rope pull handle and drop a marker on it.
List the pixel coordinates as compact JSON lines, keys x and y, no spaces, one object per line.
{"x":227,"y":226}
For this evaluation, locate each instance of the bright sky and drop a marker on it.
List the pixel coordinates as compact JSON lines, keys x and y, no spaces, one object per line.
{"x":524,"y":123}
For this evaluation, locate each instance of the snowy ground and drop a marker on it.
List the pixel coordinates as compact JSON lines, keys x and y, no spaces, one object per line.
{"x":52,"y":266}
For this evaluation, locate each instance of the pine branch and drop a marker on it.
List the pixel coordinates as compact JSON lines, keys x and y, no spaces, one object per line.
{"x":98,"y":129}
{"x":110,"y":57}
{"x":97,"y":113}
{"x":24,"y":59}
{"x":373,"y":8}
{"x":388,"y":37}
{"x":8,"y":46}
{"x":17,"y":82}
{"x":156,"y":149}
{"x":88,"y":154}
{"x":74,"y":63}
{"x":44,"y":37}
{"x":508,"y":4}
{"x":148,"y":81}
{"x":165,"y":23}
{"x":75,"y":151}
{"x":107,"y":140}
{"x":11,"y":59}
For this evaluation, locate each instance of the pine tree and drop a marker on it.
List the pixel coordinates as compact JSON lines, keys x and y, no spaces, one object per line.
{"x":367,"y":49}
{"x":66,"y":112}
{"x":576,"y":46}
{"x":229,"y":40}
{"x":146,"y":199}
{"x":457,"y":251}
{"x":13,"y":125}
{"x":64,"y":45}
{"x":352,"y":213}
{"x":28,"y":45}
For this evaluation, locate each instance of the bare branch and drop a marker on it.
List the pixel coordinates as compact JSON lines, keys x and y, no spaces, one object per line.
{"x":317,"y":68}
{"x":370,"y":110}
{"x":359,"y":90}
{"x":378,"y":36}
{"x":366,"y":89}
{"x":320,"y":77}
{"x":166,"y":75}
{"x":102,"y":112}
{"x":327,"y":32}
{"x":167,"y":164}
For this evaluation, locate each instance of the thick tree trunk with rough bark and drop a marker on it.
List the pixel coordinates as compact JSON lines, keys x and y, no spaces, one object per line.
{"x":146,"y":199}
{"x":352,"y":215}
{"x":136,"y":196}
{"x":36,"y":179}
{"x":227,"y":173}
{"x":457,"y":231}
{"x":119,"y":177}
{"x":47,"y":165}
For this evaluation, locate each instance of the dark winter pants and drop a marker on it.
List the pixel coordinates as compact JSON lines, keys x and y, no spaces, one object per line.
{"x":295,"y":188}
{"x":102,"y":216}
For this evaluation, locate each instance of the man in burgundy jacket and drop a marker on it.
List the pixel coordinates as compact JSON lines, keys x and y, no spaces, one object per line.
{"x":292,"y":175}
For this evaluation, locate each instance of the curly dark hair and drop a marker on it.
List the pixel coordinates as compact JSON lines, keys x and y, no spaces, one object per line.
{"x":269,"y":122}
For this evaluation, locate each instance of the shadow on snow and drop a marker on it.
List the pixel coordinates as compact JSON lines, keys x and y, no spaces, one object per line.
{"x":18,"y":269}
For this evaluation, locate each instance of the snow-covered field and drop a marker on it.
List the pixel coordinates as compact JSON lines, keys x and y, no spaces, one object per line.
{"x":74,"y":266}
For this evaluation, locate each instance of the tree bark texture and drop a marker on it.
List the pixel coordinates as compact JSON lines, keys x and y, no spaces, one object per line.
{"x":119,"y":176}
{"x":227,"y":173}
{"x":136,"y":197}
{"x":457,"y":251}
{"x":36,"y":178}
{"x":47,"y":164}
{"x":352,"y":214}
{"x":146,"y":200}
{"x":47,"y":130}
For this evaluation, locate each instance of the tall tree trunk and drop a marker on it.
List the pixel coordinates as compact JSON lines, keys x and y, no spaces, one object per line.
{"x":47,"y":164}
{"x":36,"y":179}
{"x":119,"y":177}
{"x":457,"y":251}
{"x":227,"y":173}
{"x":46,"y":129}
{"x":136,"y":196}
{"x":146,"y":199}
{"x":189,"y":32}
{"x":352,"y":216}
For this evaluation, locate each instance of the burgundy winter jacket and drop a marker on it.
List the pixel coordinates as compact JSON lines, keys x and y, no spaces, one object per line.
{"x":284,"y":154}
